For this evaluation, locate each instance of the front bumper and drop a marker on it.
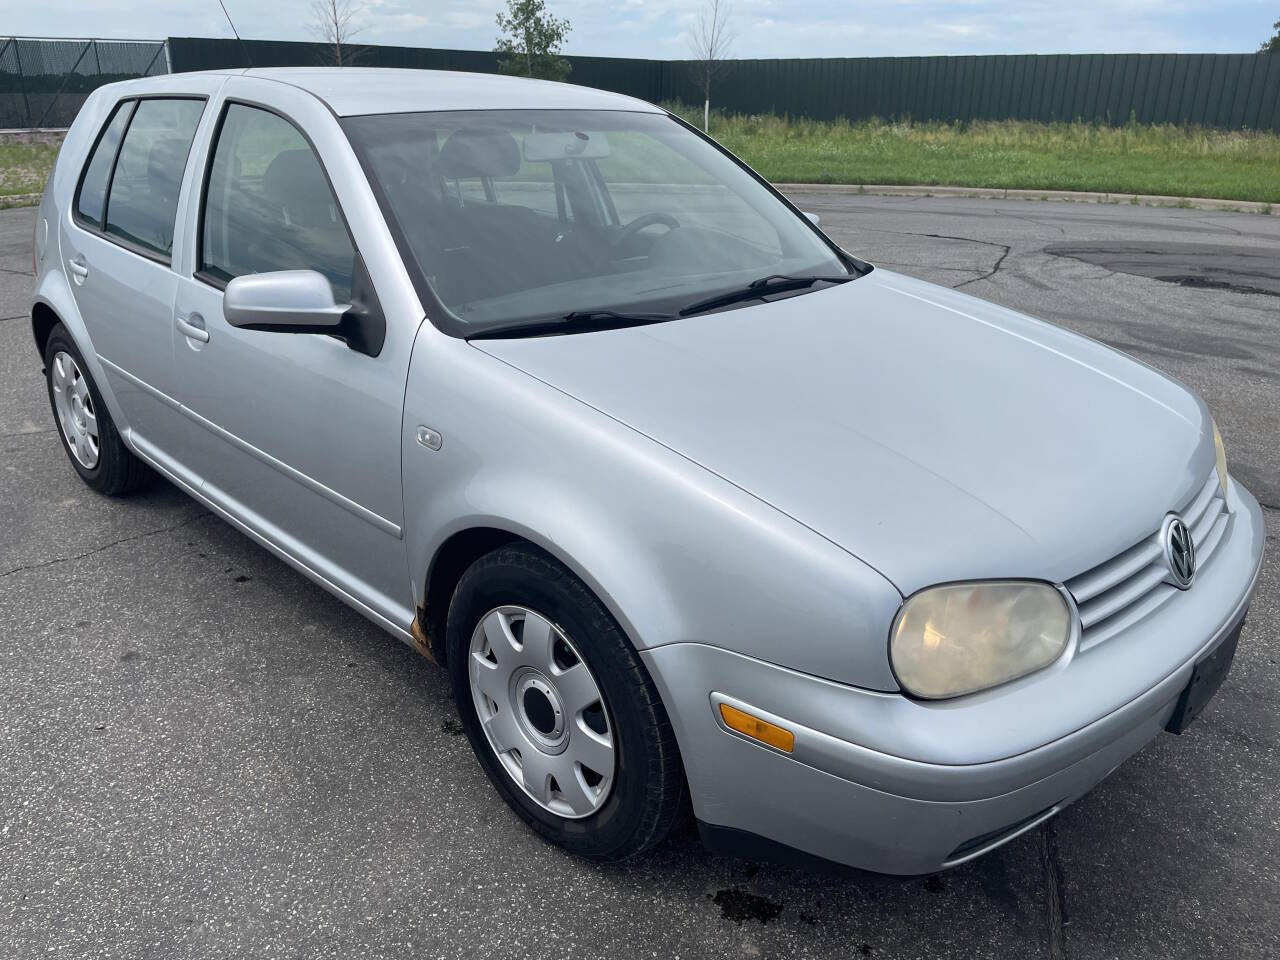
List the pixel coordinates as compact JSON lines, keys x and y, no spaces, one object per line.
{"x":885,"y":783}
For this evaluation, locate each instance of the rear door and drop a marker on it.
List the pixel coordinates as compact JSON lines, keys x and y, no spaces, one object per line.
{"x":118,"y":244}
{"x":296,"y":434}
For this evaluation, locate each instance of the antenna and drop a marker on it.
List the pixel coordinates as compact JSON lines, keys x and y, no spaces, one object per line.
{"x":243,"y":49}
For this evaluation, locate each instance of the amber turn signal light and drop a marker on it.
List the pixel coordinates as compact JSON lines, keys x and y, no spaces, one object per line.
{"x":757,"y":729}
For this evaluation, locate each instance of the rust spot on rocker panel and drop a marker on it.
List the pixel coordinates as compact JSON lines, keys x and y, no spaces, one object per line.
{"x":421,"y":642}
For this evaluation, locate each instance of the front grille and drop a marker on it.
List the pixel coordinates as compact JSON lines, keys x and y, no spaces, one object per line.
{"x":1121,"y":591}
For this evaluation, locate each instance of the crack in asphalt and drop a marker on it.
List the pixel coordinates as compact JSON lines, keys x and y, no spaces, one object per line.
{"x":916,"y":264}
{"x":994,"y":270}
{"x":1105,"y":275}
{"x":1053,"y":891}
{"x":947,"y":236}
{"x":27,"y":433}
{"x":106,"y":546}
{"x":18,"y":317}
{"x":1210,"y":223}
{"x":1005,"y":249}
{"x":1032,"y":220}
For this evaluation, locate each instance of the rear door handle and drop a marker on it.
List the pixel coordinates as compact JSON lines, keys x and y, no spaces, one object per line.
{"x":192,"y":326}
{"x":79,"y":267}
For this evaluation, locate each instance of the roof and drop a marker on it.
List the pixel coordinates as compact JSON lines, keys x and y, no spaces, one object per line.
{"x":351,"y":91}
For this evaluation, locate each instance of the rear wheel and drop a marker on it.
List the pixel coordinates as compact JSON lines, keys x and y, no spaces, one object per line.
{"x":89,"y":436}
{"x":560,"y":711}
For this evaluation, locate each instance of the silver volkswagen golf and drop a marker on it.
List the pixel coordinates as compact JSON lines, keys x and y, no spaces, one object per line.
{"x":698,"y":510}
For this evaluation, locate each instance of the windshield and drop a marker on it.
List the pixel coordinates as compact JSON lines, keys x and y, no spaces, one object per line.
{"x":537,"y":214}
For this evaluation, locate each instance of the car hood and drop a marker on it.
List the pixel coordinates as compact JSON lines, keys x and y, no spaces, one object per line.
{"x":933,"y":435}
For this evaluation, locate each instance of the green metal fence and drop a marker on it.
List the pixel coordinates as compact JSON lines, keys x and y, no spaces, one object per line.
{"x":1231,"y":91}
{"x":637,"y":78}
{"x":43,"y":83}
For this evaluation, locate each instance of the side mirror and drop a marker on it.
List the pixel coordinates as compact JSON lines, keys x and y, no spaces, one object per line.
{"x":813,"y":218}
{"x":285,"y":301}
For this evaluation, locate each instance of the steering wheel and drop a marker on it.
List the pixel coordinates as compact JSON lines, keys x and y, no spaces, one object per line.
{"x":639,"y":223}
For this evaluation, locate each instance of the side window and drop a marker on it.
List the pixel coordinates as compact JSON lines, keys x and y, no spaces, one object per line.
{"x":91,"y":200}
{"x":143,"y":201}
{"x":268,"y":205}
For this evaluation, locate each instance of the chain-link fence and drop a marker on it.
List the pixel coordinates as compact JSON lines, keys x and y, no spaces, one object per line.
{"x":43,"y":83}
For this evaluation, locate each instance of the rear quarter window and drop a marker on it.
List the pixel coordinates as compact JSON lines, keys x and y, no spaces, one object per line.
{"x":92,"y":195}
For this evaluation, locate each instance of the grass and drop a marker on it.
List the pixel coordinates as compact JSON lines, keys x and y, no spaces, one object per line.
{"x":24,"y":167}
{"x":1164,"y":160}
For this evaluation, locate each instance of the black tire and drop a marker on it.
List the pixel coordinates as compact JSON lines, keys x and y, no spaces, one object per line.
{"x":649,"y":793}
{"x":117,"y":470}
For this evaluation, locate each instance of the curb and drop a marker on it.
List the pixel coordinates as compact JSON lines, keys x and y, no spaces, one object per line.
{"x":1065,"y":196}
{"x":973,"y":193}
{"x":20,"y":200}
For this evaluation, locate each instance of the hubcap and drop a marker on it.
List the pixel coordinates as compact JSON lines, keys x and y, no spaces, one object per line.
{"x":74,"y":406}
{"x":542,"y":711}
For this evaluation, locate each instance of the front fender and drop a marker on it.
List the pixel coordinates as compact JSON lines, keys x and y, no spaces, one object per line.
{"x":676,"y":553}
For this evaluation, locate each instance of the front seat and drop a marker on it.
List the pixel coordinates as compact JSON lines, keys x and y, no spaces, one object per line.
{"x":503,"y":245}
{"x":308,"y":233}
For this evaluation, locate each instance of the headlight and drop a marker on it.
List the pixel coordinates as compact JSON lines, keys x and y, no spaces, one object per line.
{"x":1221,"y":452}
{"x":964,"y":637}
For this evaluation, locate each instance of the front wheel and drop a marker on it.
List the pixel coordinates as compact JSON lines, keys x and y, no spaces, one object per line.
{"x":560,"y":712}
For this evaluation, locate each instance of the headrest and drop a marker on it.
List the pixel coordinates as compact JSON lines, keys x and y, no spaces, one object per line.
{"x":478,"y":152}
{"x":295,"y":181}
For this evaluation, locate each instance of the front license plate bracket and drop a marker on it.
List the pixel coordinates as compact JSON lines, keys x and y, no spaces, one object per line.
{"x":1207,"y":675}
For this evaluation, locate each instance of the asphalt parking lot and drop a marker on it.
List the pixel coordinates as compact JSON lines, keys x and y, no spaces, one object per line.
{"x":204,"y":755}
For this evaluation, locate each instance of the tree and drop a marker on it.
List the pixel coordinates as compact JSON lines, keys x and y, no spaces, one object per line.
{"x":332,"y":20}
{"x":710,"y":41}
{"x":1272,"y":45}
{"x":531,"y":40}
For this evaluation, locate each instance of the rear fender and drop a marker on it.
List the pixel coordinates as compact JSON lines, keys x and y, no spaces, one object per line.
{"x":53,"y":291}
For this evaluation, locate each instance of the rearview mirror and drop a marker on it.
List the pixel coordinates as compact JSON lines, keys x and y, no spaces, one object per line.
{"x":577,"y":145}
{"x":812,"y":218}
{"x":286,"y":301}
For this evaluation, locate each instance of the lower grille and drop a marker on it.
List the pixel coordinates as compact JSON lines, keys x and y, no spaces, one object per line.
{"x":1121,"y":591}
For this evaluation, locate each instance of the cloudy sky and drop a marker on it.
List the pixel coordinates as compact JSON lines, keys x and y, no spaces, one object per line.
{"x":659,"y":28}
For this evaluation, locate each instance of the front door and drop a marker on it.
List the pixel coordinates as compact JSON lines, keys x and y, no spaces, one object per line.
{"x":298,"y":435}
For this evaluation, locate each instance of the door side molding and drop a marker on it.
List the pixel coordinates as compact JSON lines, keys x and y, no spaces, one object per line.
{"x":364,"y":513}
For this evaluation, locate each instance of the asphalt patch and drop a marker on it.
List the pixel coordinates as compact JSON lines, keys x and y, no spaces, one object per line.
{"x":1197,"y":265}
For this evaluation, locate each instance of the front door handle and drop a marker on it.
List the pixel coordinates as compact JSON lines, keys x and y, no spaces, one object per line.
{"x":79,"y":268}
{"x":192,"y":326}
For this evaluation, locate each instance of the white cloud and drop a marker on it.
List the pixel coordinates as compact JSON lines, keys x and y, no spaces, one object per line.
{"x":658,"y":28}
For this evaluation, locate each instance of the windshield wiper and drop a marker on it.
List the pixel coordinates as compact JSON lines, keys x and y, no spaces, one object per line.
{"x":577,"y":321}
{"x":763,"y":287}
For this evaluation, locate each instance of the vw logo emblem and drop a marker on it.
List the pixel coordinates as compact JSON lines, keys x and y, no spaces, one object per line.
{"x":1179,"y":552}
